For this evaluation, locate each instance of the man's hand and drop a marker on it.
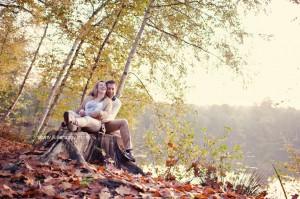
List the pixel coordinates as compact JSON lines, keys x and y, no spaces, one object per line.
{"x":82,"y":113}
{"x":97,"y":115}
{"x":101,"y":115}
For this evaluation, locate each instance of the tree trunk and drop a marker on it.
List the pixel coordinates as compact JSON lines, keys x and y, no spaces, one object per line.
{"x":56,"y":86}
{"x":22,"y":87}
{"x":56,"y":98}
{"x":82,"y":33}
{"x":83,"y":147}
{"x":133,"y":49}
{"x":101,"y":48}
{"x":4,"y":41}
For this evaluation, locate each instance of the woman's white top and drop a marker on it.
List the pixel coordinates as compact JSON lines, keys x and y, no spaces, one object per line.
{"x":92,"y":106}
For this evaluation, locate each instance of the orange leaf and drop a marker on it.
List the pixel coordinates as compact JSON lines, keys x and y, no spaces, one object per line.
{"x":209,"y":191}
{"x":188,"y":187}
{"x":201,"y":196}
{"x":156,"y":194}
{"x":230,"y":194}
{"x":171,"y":145}
{"x":100,"y":169}
{"x":171,"y":162}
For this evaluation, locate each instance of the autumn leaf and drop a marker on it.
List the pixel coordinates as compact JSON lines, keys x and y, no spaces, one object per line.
{"x":4,"y":174}
{"x":65,"y":185}
{"x":185,"y":187}
{"x":201,"y":196}
{"x":209,"y":191}
{"x":32,"y":180}
{"x":124,"y":190}
{"x":156,"y":194}
{"x":48,"y":190}
{"x":171,"y":145}
{"x":7,"y":191}
{"x":230,"y":194}
{"x":105,"y":194}
{"x":101,"y":169}
{"x":171,"y":162}
{"x":170,"y":177}
{"x":129,"y":197}
{"x":28,"y":166}
{"x":166,"y":193}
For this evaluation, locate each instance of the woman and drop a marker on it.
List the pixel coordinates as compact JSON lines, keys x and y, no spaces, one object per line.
{"x":93,"y":111}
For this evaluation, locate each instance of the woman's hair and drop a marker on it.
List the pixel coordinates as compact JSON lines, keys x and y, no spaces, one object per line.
{"x":94,"y":92}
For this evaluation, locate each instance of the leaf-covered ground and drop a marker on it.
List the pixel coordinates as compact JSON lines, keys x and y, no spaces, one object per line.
{"x":22,"y":175}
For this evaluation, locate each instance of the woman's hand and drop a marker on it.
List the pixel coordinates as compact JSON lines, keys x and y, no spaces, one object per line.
{"x":97,"y":115}
{"x":82,"y":113}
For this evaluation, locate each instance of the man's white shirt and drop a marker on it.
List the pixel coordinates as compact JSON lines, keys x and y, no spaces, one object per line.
{"x":116,"y":105}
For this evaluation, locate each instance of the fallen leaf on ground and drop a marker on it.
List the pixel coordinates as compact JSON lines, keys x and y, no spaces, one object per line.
{"x":124,"y":190}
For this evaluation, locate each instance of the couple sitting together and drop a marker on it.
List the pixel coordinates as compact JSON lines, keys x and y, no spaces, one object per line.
{"x":97,"y":114}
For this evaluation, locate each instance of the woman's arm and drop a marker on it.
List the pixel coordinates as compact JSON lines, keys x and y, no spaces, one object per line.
{"x":81,"y":108}
{"x":103,"y":114}
{"x":106,"y":111}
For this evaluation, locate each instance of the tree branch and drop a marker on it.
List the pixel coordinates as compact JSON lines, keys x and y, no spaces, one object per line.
{"x":166,"y":5}
{"x":199,"y":10}
{"x":101,"y":20}
{"x":15,"y":6}
{"x":41,"y":1}
{"x":176,"y":3}
{"x":186,"y":42}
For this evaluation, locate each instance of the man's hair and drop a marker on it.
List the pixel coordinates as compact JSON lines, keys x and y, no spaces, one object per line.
{"x":110,"y":82}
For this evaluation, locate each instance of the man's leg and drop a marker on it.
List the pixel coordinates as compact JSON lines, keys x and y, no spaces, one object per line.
{"x":122,"y":126}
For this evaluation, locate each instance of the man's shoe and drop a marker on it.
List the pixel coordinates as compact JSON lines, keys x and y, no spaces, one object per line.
{"x":70,"y":121}
{"x":129,"y":155}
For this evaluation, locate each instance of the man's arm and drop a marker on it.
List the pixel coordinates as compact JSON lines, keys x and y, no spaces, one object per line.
{"x":115,"y":109}
{"x":103,"y":114}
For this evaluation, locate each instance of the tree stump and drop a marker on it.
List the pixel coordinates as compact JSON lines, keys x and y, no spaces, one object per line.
{"x":84,"y":147}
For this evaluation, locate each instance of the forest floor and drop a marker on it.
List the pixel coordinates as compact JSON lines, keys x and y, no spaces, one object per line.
{"x":22,"y":175}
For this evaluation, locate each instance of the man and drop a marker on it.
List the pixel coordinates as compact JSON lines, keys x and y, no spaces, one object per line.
{"x":110,"y":92}
{"x":118,"y":126}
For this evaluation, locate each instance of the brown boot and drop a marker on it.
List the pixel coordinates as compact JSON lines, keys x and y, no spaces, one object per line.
{"x":71,"y":122}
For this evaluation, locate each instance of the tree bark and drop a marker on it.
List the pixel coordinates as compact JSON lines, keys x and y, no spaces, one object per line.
{"x":101,"y":48}
{"x":56,"y":86}
{"x":85,"y":148}
{"x":82,"y":33}
{"x":22,"y":87}
{"x":4,"y":41}
{"x":56,"y":98}
{"x":133,"y":49}
{"x":15,"y":6}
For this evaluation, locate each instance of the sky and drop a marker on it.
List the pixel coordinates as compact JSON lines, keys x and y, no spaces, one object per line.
{"x":273,"y":65}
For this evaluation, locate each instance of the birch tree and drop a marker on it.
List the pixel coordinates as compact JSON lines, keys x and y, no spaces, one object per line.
{"x":22,"y":86}
{"x":12,"y":57}
{"x":84,"y":29}
{"x":101,"y":48}
{"x":133,"y":49}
